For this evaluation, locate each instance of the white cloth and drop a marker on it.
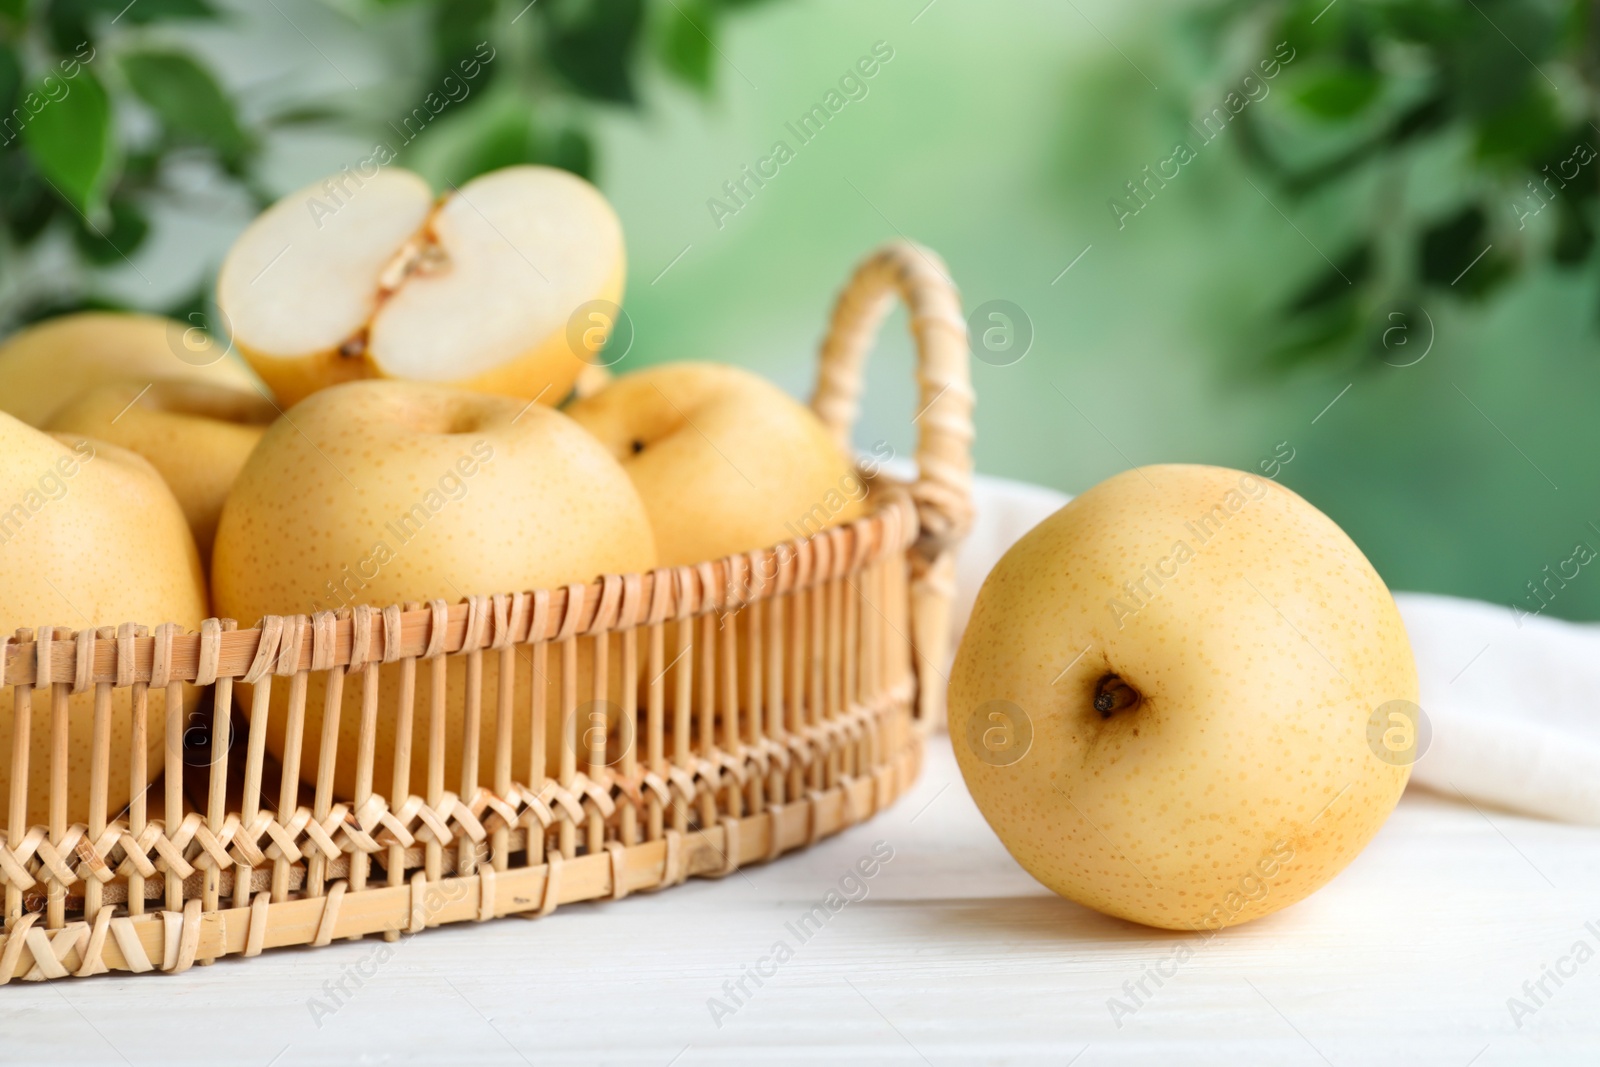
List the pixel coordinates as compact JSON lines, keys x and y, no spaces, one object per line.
{"x":1512,"y":702}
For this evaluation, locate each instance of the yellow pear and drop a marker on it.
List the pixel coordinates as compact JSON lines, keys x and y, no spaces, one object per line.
{"x":725,"y":461}
{"x":45,"y":365}
{"x":382,"y":492}
{"x":196,"y":434}
{"x":369,"y":276}
{"x":1179,"y":698}
{"x":90,"y":536}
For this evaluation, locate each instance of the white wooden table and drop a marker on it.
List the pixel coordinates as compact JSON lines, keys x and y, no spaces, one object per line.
{"x":953,"y":955}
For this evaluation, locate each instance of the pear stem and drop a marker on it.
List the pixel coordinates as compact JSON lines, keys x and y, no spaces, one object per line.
{"x":1112,"y":695}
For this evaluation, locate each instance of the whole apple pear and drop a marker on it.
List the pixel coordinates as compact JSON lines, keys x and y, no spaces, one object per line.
{"x":46,"y":365}
{"x":1176,"y":700}
{"x":197,"y":435}
{"x":90,"y":536}
{"x":377,"y":492}
{"x":724,"y":460}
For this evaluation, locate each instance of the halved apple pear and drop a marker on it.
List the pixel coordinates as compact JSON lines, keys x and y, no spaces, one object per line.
{"x":372,"y":277}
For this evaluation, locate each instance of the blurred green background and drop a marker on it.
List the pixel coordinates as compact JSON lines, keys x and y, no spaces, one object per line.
{"x":998,"y":134}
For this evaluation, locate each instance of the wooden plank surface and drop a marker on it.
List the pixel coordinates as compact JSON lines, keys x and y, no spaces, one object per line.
{"x":951,"y":955}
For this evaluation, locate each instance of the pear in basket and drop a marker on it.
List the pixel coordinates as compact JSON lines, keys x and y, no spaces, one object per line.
{"x":724,"y":460}
{"x":370,"y":276}
{"x":196,"y":434}
{"x":90,"y":536}
{"x":44,"y":366}
{"x":383,"y":492}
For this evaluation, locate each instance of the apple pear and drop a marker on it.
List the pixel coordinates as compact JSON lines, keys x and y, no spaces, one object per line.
{"x":382,"y":492}
{"x":46,"y":365}
{"x":90,"y":536}
{"x":724,"y":460}
{"x":1174,"y":699}
{"x":369,"y":276}
{"x":196,"y":434}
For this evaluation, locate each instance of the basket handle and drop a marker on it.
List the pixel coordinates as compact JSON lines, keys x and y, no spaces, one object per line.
{"x":943,"y":489}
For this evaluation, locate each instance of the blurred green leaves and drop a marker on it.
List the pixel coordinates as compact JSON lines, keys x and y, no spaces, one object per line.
{"x":1443,"y":130}
{"x":69,"y":81}
{"x":101,"y":101}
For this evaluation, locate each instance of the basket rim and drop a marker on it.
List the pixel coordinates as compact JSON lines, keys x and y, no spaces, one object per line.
{"x":132,"y":653}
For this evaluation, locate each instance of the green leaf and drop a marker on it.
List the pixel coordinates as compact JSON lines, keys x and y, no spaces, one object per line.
{"x":1312,"y":30}
{"x":72,"y":142}
{"x":68,"y":22}
{"x":1574,"y":234}
{"x":1456,"y":254}
{"x":188,"y":101}
{"x":1339,"y":283}
{"x":1450,"y":244}
{"x":71,"y":22}
{"x":310,"y":115}
{"x":464,"y":32}
{"x":15,"y":10}
{"x":1424,"y":117}
{"x":502,"y":132}
{"x":1491,"y":61}
{"x":591,"y":44}
{"x":1335,"y":93}
{"x":1527,"y":125}
{"x":686,"y":41}
{"x":499,"y":137}
{"x":26,"y":202}
{"x":1314,"y":337}
{"x":10,"y":83}
{"x":123,"y":235}
{"x":147,"y":11}
{"x":571,"y":149}
{"x":1423,"y":22}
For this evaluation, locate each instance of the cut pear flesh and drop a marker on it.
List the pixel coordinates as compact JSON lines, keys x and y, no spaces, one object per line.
{"x":298,"y":283}
{"x":381,"y":280}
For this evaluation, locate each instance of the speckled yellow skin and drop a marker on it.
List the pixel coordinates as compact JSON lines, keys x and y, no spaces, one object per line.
{"x":1243,"y":780}
{"x":99,"y":541}
{"x":329,"y":483}
{"x":44,"y":366}
{"x":728,"y":461}
{"x":196,"y":434}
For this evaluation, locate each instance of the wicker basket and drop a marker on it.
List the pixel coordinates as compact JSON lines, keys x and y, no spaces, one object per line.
{"x":753,"y":738}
